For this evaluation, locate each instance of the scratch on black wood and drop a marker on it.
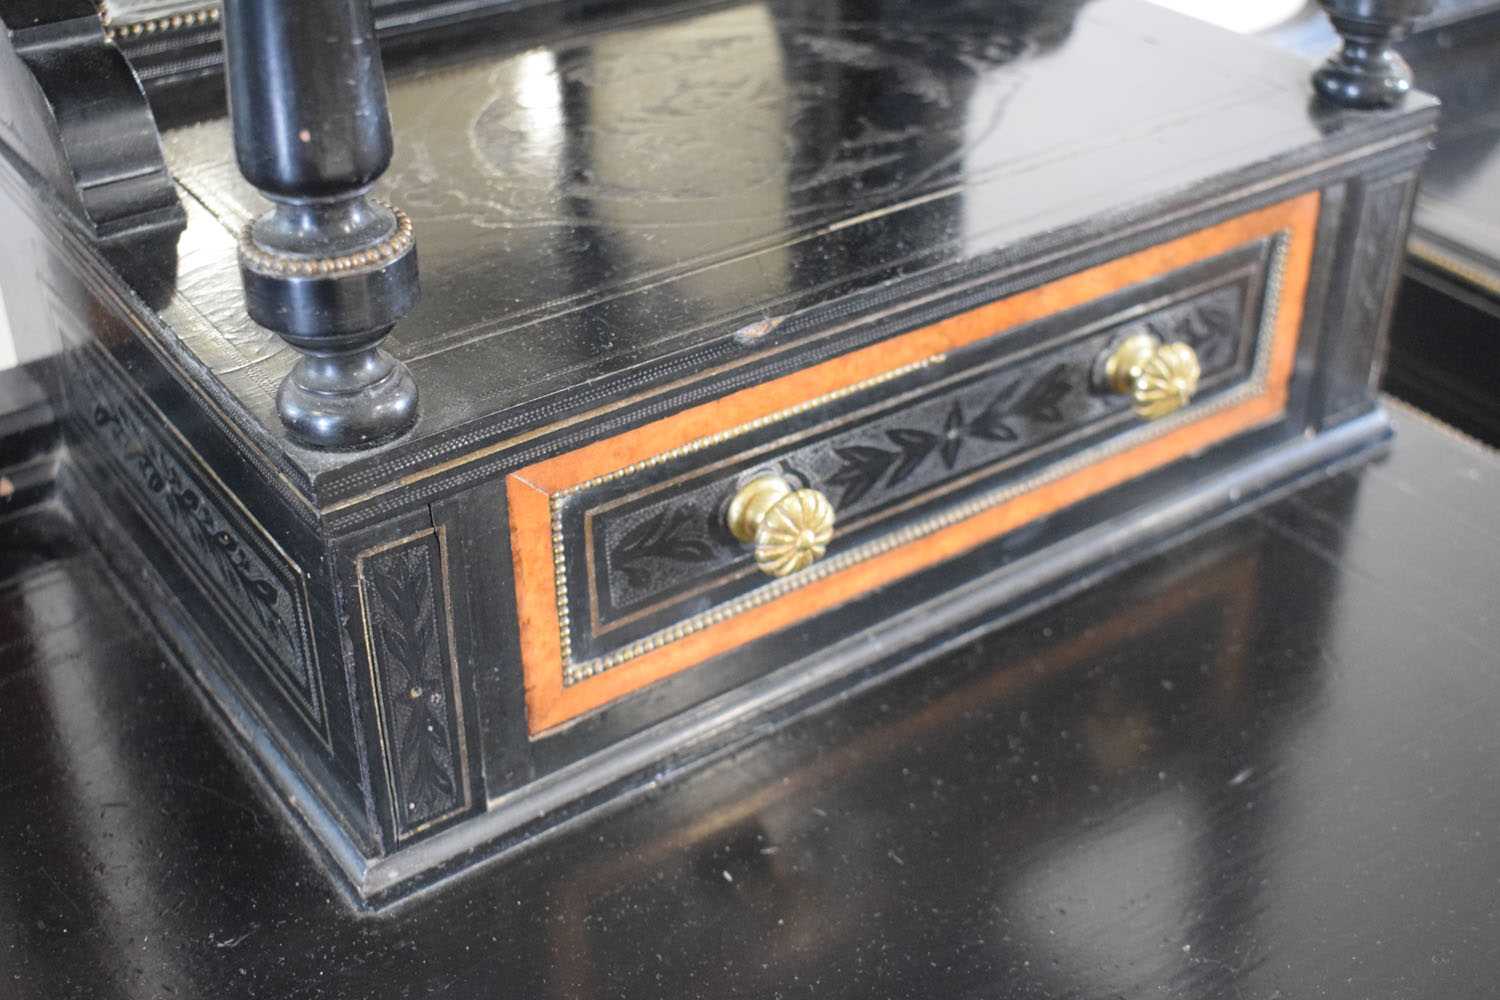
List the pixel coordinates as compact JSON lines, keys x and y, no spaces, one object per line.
{"x":220,"y":796}
{"x":67,"y":897}
{"x":1384,"y":583}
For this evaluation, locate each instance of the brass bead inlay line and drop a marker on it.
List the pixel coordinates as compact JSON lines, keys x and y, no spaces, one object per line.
{"x":565,"y":631}
{"x":754,"y":425}
{"x":389,"y":249}
{"x":1253,"y":387}
{"x":160,"y":25}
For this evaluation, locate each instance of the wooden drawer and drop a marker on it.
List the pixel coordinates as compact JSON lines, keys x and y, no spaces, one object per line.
{"x":925,"y":445}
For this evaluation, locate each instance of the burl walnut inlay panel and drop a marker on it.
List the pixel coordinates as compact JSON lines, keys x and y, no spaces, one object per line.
{"x":927,"y":444}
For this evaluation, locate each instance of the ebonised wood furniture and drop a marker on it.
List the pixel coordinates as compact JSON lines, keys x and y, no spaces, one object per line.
{"x":760,"y":346}
{"x":1366,"y":71}
{"x":1445,"y":337}
{"x":1260,"y":762}
{"x":329,"y":268}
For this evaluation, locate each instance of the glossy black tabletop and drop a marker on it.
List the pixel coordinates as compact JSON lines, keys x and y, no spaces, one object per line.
{"x":599,"y":195}
{"x":1262,"y":764}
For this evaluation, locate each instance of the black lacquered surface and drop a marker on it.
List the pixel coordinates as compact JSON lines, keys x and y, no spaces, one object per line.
{"x":1261,"y":764}
{"x":597,"y":201}
{"x":648,"y":549}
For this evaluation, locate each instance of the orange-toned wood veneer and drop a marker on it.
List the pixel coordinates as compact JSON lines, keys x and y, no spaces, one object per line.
{"x":529,"y":491}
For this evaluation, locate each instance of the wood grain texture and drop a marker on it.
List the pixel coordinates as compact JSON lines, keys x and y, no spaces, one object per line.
{"x":622,"y":219}
{"x":595,"y":272}
{"x":1058,"y":808}
{"x":550,"y":703}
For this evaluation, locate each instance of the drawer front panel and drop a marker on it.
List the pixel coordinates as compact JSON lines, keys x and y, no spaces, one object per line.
{"x":926,"y":445}
{"x":655,"y":544}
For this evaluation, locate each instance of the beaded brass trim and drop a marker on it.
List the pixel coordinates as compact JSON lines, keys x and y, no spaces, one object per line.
{"x":577,"y":672}
{"x":389,"y":249}
{"x":160,"y":25}
{"x":1253,"y":387}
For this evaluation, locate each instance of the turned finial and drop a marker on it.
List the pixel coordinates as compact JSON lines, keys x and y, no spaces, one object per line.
{"x":1366,"y":72}
{"x":329,"y":268}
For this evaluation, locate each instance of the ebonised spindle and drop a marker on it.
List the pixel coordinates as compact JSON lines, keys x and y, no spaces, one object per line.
{"x":329,"y":268}
{"x":1365,"y":72}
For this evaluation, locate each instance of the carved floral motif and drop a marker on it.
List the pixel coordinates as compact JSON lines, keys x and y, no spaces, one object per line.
{"x":892,"y":457}
{"x":674,"y":534}
{"x":864,"y":465}
{"x":246,"y":587}
{"x":419,"y":719}
{"x":196,"y":520}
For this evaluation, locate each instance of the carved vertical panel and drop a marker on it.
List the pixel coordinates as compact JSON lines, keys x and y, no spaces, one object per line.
{"x":1352,"y":357}
{"x":408,"y":623}
{"x":258,"y":592}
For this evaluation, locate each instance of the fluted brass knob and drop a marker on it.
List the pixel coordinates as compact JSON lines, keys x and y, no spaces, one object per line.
{"x":790,"y":528}
{"x":1159,"y":378}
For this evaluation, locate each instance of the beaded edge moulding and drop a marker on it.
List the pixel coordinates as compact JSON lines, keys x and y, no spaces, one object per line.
{"x":390,"y":248}
{"x":136,"y":18}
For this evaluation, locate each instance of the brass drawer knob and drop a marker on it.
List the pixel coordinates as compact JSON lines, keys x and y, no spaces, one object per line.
{"x":790,"y":528}
{"x":1159,"y":378}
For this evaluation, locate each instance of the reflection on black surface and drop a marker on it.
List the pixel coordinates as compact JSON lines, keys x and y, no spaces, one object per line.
{"x":601,"y":199}
{"x":741,"y":113}
{"x":1256,"y":763}
{"x":626,"y":155}
{"x":641,"y":150}
{"x":1050,"y":785}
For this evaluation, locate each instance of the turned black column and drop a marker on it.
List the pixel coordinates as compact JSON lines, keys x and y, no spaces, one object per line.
{"x":329,"y":268}
{"x":1366,"y":72}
